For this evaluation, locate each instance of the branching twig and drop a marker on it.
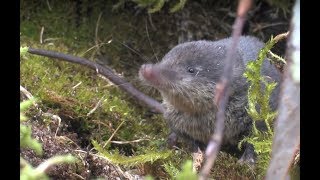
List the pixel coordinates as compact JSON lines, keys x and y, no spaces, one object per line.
{"x":107,"y":72}
{"x":222,"y":90}
{"x":288,"y":123}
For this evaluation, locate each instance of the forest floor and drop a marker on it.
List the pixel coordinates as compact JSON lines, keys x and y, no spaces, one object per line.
{"x":123,"y":38}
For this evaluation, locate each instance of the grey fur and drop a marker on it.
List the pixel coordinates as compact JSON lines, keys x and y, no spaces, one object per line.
{"x":188,"y":98}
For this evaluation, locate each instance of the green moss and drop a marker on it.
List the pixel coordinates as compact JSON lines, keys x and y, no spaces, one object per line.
{"x":259,"y":109}
{"x":25,"y":131}
{"x":53,"y":82}
{"x":227,"y":167}
{"x":134,"y":160}
{"x":30,"y":173}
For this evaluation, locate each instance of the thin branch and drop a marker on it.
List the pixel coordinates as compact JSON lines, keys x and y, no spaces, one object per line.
{"x":96,"y":106}
{"x":55,"y":118}
{"x":154,"y":105}
{"x":26,"y":92}
{"x":260,"y":27}
{"x":97,"y":29}
{"x":54,"y":160}
{"x":222,"y":90}
{"x":41,"y":35}
{"x":129,"y":142}
{"x":105,"y":144}
{"x":95,"y":46}
{"x":288,"y":122}
{"x":49,"y":7}
{"x":74,"y":87}
{"x":97,"y":36}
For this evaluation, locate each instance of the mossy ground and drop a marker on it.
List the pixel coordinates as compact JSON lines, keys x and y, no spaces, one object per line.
{"x":131,"y":37}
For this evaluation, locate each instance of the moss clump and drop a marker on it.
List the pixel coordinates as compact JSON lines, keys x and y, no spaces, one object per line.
{"x":259,"y":109}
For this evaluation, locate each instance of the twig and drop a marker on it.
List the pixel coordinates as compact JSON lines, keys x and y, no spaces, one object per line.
{"x":96,"y":106}
{"x":222,"y":90}
{"x":95,"y":46}
{"x":113,"y":134}
{"x":54,"y":160}
{"x":97,"y":36}
{"x":41,"y":34}
{"x":97,"y":28}
{"x":26,"y":92}
{"x":29,"y":96}
{"x":107,"y":72}
{"x":74,"y":87}
{"x":259,"y":28}
{"x":50,"y":9}
{"x":288,"y":122}
{"x":50,"y":39}
{"x":129,"y":142}
{"x":54,"y":117}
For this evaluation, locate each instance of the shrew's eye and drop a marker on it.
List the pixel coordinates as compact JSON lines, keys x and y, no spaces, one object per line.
{"x":190,"y":70}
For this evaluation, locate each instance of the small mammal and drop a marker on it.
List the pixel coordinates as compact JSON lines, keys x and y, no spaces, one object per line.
{"x":186,"y":78}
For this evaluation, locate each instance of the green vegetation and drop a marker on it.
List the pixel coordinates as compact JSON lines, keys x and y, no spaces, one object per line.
{"x":284,"y":5}
{"x":187,"y":172}
{"x":116,"y":158}
{"x":25,"y":131}
{"x":73,"y":91}
{"x":259,"y":109}
{"x":30,"y":173}
{"x":154,"y":5}
{"x":27,"y":172}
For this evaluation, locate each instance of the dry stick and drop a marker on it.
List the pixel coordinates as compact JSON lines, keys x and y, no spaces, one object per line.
{"x":107,"y":72}
{"x":222,"y":90}
{"x":129,"y":142}
{"x":41,"y":34}
{"x":287,"y":128}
